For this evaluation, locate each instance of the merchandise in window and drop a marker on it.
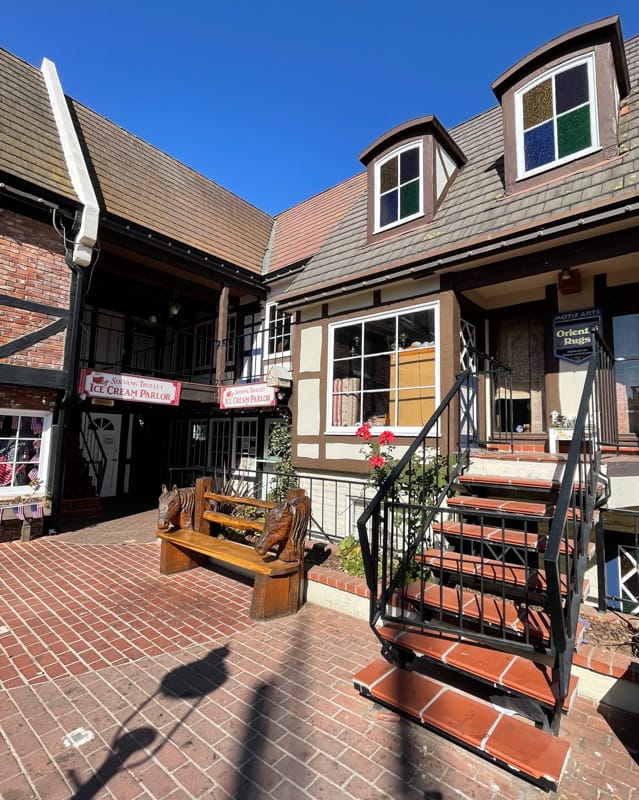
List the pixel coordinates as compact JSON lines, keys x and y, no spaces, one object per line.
{"x":556,"y":118}
{"x":21,"y":449}
{"x":383,"y":370}
{"x":399,"y":195}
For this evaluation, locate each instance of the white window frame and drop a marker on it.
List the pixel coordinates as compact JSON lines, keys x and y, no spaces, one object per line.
{"x":271,"y":308}
{"x":589,"y":60}
{"x":25,"y":492}
{"x":378,"y":166}
{"x":403,"y":430}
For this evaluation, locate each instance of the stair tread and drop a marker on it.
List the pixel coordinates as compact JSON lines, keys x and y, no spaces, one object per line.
{"x":516,"y":482}
{"x":513,"y":507}
{"x":470,"y":721}
{"x":506,"y":670}
{"x":515,"y":575}
{"x":495,"y":612}
{"x":497,"y":535}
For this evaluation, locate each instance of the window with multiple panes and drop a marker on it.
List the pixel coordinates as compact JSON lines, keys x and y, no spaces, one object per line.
{"x":278,"y":330}
{"x":557,"y":117}
{"x":398,"y":182}
{"x":383,"y":370}
{"x":24,"y":441}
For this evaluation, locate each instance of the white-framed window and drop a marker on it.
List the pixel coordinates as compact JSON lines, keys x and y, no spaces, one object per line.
{"x":383,"y":369}
{"x":556,"y":117}
{"x":278,"y":331}
{"x":24,"y":451}
{"x":398,"y":187}
{"x":231,"y":339}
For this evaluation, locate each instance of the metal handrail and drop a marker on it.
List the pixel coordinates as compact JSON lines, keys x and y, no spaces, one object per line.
{"x":583,"y":489}
{"x":453,"y":445}
{"x":97,"y":463}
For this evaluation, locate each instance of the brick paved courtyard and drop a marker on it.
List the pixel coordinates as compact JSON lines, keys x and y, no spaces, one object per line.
{"x":118,"y":682}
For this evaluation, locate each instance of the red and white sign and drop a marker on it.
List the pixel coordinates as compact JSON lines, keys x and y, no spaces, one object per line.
{"x":247,"y":395}
{"x":135,"y":388}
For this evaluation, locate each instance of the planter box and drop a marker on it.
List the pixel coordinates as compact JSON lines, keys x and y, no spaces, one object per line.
{"x":555,"y":438}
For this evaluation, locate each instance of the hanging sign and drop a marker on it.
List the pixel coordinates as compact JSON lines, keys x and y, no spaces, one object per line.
{"x":247,"y":395}
{"x":572,"y":334}
{"x":135,"y":388}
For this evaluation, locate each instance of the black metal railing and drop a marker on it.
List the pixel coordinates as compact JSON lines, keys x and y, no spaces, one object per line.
{"x":583,"y":490}
{"x":407,"y":530}
{"x":396,"y":528}
{"x":93,"y":454}
{"x":188,"y":352}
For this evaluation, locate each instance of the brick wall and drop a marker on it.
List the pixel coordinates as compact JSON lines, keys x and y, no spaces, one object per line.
{"x":32,"y":268}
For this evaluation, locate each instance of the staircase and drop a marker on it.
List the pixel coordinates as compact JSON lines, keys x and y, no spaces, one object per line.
{"x":476,"y":582}
{"x":79,"y":498}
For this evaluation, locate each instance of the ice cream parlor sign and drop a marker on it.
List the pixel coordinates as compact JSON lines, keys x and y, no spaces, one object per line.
{"x":135,"y":388}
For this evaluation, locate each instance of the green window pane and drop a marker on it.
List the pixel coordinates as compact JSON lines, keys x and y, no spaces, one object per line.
{"x":538,"y":105}
{"x":573,"y":132}
{"x":409,"y":199}
{"x":388,"y":175}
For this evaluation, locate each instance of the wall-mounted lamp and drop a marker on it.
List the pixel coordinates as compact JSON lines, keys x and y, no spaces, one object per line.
{"x":569,"y":281}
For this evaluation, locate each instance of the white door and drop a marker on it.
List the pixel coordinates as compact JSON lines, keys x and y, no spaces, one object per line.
{"x":106,"y":429}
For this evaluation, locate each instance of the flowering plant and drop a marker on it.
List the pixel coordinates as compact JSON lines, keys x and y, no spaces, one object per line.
{"x":378,"y":453}
{"x":559,"y":420}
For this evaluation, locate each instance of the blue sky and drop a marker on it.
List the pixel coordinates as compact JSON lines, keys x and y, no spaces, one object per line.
{"x":275,"y":100}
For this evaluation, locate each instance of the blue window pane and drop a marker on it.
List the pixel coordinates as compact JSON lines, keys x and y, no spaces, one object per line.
{"x":539,"y":146}
{"x":409,"y":165}
{"x":571,"y":88}
{"x":388,"y":209}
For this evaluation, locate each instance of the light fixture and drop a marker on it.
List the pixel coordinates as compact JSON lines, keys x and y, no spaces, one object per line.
{"x":569,"y":281}
{"x":174,"y":306}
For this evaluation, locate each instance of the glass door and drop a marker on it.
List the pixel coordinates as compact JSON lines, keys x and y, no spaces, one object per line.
{"x":626,"y":348}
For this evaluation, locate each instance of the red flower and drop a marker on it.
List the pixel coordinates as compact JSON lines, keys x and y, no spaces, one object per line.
{"x":386,"y":437}
{"x":364,"y":431}
{"x":377,"y":461}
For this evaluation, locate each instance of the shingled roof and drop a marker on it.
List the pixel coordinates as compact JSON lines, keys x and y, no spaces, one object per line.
{"x":476,"y":209}
{"x":29,"y":145}
{"x":143,"y":185}
{"x":138,"y":183}
{"x":301,"y":230}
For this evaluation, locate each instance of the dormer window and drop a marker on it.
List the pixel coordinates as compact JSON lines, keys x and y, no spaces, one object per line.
{"x":410,"y":169}
{"x":398,"y":187}
{"x":556,"y":117}
{"x":560,"y":105}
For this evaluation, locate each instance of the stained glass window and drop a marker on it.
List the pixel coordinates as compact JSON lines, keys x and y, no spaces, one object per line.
{"x":399,"y":187}
{"x":556,"y":117}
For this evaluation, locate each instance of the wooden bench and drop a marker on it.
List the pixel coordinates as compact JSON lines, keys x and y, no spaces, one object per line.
{"x":278,"y":579}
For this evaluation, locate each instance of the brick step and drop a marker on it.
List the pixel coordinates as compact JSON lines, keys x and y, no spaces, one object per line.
{"x":476,"y":724}
{"x":494,"y":615}
{"x":506,"y":482}
{"x":81,"y":508}
{"x":514,"y":576}
{"x":504,"y":537}
{"x":512,"y":673}
{"x":511,"y":508}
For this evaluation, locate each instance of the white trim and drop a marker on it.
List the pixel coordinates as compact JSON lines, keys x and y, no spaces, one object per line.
{"x":88,"y":234}
{"x":351,"y":429}
{"x":589,"y":60}
{"x":43,"y":463}
{"x":377,"y":228}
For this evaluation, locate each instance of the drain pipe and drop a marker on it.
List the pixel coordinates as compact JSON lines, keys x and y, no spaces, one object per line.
{"x":78,"y":257}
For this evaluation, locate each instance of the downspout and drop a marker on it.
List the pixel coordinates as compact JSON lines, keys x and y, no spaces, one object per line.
{"x":78,"y":257}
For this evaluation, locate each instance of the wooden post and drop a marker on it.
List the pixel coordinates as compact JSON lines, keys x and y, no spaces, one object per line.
{"x":222,"y":333}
